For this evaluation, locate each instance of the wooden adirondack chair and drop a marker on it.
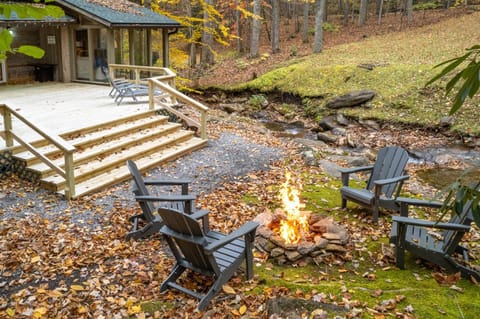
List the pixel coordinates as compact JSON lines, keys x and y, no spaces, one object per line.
{"x":148,"y":222}
{"x":384,"y":184}
{"x":209,"y":253}
{"x":416,"y":236}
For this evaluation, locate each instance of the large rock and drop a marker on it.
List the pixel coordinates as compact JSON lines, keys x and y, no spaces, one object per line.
{"x":351,"y":99}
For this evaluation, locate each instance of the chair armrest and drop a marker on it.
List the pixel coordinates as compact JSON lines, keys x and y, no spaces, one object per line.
{"x":418,"y":202}
{"x":246,"y":228}
{"x":392,"y":180}
{"x":430,"y":224}
{"x":351,"y":170}
{"x":166,"y":182}
{"x":347,"y":171}
{"x":405,"y":202}
{"x":200,"y":214}
{"x":165,"y":198}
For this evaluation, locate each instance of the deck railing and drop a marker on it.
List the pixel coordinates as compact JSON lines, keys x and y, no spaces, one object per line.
{"x":163,"y":79}
{"x":10,"y":135}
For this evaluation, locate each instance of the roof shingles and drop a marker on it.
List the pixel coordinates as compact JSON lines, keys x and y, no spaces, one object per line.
{"x":119,"y":13}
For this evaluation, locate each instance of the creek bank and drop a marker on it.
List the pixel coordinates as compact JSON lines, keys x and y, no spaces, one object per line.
{"x":335,"y":138}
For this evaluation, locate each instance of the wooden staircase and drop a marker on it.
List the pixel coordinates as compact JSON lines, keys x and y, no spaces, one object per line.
{"x":101,"y":151}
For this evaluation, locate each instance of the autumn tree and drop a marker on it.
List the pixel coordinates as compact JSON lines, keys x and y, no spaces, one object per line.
{"x":204,"y":24}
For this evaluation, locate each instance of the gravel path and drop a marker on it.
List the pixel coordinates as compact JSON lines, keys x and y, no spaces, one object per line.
{"x":223,"y":160}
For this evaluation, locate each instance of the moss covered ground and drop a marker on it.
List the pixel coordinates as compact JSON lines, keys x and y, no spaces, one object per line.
{"x":402,"y":64}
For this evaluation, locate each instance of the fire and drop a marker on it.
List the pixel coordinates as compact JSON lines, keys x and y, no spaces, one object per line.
{"x":295,"y":227}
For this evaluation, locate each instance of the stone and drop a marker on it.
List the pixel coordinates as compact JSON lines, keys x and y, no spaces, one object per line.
{"x":351,"y":99}
{"x":339,"y":131}
{"x":342,"y":120}
{"x":264,"y":244}
{"x":264,"y":218}
{"x":264,"y":231}
{"x":306,"y":247}
{"x":276,"y":252}
{"x":336,"y":248}
{"x":322,"y":226}
{"x":293,"y":255}
{"x":312,"y":144}
{"x":447,"y":121}
{"x":330,"y":168}
{"x":327,"y":123}
{"x":326,"y":137}
{"x":320,"y":242}
{"x":371,"y":124}
{"x":232,"y":108}
{"x":309,"y":158}
{"x":281,"y":260}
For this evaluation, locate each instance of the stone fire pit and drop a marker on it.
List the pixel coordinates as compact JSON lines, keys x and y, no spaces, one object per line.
{"x":324,"y":240}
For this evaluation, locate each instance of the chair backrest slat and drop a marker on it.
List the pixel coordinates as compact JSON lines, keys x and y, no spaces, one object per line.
{"x":189,"y":237}
{"x":452,"y":238}
{"x":391,"y":162}
{"x":140,"y":189}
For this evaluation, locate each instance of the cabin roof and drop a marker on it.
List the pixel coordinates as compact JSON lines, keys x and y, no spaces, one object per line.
{"x":110,"y":13}
{"x":119,"y":13}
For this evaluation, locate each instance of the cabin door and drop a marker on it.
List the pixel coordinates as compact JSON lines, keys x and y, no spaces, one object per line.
{"x":90,"y":54}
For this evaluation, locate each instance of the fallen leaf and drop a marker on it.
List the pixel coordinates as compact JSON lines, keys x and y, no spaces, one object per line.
{"x":228,"y":290}
{"x":242,"y":310}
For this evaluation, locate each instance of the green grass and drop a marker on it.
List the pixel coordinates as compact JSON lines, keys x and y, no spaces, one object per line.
{"x":403,"y":62}
{"x":367,"y":272}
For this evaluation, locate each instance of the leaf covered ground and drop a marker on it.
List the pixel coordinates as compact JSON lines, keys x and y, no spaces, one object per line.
{"x":59,"y":265}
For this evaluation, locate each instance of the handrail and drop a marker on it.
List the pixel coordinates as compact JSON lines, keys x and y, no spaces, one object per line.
{"x":67,"y":149}
{"x":165,"y":82}
{"x":156,"y":83}
{"x":166,"y":73}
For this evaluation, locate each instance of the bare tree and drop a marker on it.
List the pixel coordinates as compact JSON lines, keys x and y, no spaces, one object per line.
{"x":256,"y":24}
{"x":362,"y":16}
{"x":306,"y":16}
{"x":319,"y":14}
{"x":275,"y":26}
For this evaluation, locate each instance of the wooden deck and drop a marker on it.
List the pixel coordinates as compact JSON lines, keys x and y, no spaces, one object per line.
{"x":62,"y":107}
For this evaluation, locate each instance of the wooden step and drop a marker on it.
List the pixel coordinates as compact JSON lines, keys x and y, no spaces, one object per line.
{"x":99,"y":165}
{"x":108,"y":147}
{"x":88,"y":129}
{"x":120,"y":173}
{"x":94,"y":137}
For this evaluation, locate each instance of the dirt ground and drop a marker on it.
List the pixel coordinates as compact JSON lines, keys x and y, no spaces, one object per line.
{"x":226,"y":69}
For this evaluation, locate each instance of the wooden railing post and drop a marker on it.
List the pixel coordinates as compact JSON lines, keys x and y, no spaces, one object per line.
{"x":151,"y":96}
{"x":7,"y":124}
{"x":69,"y":175}
{"x":203,"y":130}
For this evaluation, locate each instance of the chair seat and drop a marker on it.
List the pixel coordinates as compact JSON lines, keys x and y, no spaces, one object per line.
{"x":363,"y":196}
{"x":226,"y":255}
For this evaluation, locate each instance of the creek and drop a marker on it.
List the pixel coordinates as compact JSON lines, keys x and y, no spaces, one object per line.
{"x":438,"y":176}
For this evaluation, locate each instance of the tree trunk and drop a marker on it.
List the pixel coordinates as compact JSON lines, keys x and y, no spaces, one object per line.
{"x":346,"y":11}
{"x":275,"y":26}
{"x":192,"y":49}
{"x":256,"y":24}
{"x":318,"y":38}
{"x":362,"y":17}
{"x":239,"y":28}
{"x":306,"y":16}
{"x":207,"y":56}
{"x":409,"y":10}
{"x":380,"y":11}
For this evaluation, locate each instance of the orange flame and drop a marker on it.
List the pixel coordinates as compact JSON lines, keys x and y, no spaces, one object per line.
{"x":295,"y":226}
